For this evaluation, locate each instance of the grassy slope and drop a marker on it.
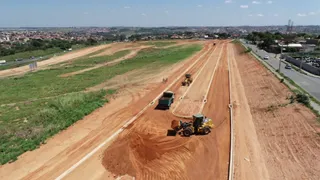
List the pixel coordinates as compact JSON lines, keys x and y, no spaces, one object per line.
{"x":48,"y":83}
{"x":40,"y":120}
{"x":160,"y":43}
{"x":25,"y":125}
{"x":102,"y":59}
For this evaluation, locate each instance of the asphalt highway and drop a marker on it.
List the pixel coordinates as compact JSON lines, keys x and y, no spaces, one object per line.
{"x":308,"y":83}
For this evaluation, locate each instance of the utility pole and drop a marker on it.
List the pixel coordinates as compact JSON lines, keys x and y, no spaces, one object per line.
{"x":280,"y":59}
{"x":300,"y":65}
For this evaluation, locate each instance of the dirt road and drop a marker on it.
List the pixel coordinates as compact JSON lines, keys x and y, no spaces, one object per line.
{"x":69,"y":147}
{"x":273,"y":138}
{"x":145,"y":151}
{"x":193,"y":99}
{"x":132,"y":54}
{"x":54,"y":60}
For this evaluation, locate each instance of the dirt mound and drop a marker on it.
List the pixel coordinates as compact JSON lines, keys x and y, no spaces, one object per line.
{"x":142,"y":155}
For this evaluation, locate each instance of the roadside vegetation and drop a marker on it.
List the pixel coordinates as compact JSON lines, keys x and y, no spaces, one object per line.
{"x":37,"y":47}
{"x":29,"y":54}
{"x":38,"y":105}
{"x":25,"y":126}
{"x":300,"y":95}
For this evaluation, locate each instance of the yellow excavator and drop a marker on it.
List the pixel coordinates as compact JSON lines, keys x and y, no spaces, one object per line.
{"x":199,"y":125}
{"x":187,"y":81}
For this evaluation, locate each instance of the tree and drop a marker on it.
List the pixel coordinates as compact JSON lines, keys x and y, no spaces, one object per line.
{"x":91,"y":42}
{"x":122,"y":37}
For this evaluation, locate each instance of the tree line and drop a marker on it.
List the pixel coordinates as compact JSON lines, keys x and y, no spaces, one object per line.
{"x":40,"y":44}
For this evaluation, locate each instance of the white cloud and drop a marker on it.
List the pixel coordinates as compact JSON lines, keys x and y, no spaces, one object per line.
{"x":260,"y":15}
{"x":312,"y":13}
{"x":244,"y":6}
{"x":250,"y":15}
{"x":228,"y":1}
{"x":301,"y":14}
{"x":275,"y":15}
{"x":199,"y":6}
{"x":269,"y":2}
{"x":143,"y":14}
{"x":256,"y":2}
{"x":127,"y":7}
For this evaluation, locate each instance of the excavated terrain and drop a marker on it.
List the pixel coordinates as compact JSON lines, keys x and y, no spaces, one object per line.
{"x":128,"y":138}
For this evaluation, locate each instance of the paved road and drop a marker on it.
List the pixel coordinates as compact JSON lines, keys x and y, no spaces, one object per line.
{"x":310,"y":84}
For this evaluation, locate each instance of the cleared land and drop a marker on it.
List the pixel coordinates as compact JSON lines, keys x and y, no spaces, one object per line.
{"x":276,"y":139}
{"x":273,"y":138}
{"x":52,"y":103}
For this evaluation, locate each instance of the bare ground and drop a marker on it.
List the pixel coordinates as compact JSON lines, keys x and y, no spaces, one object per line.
{"x":289,"y":145}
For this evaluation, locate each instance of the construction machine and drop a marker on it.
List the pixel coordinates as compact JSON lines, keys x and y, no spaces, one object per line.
{"x":187,"y":81}
{"x":166,"y":100}
{"x":199,"y":125}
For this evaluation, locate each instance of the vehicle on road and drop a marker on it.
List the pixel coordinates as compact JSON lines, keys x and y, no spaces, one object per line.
{"x":187,"y":81}
{"x":3,"y":62}
{"x":266,"y":57}
{"x":288,"y":66}
{"x":200,"y":125}
{"x":166,"y":100}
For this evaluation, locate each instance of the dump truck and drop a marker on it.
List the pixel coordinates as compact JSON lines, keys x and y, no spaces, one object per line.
{"x":187,"y":81}
{"x":166,"y":100}
{"x":200,"y":125}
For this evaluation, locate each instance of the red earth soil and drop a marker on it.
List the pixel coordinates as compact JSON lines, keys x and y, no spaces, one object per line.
{"x":67,"y":148}
{"x":286,"y":133}
{"x":145,"y":151}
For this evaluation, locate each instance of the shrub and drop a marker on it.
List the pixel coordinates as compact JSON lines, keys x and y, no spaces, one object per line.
{"x":303,"y":99}
{"x":281,"y":80}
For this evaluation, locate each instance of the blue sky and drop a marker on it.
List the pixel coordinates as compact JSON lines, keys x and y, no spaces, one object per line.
{"x":17,"y":13}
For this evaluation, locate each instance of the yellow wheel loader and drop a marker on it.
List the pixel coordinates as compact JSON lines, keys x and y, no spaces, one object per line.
{"x":199,"y":125}
{"x":187,"y":81}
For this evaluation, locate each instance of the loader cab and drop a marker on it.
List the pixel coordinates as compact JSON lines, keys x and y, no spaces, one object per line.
{"x":188,"y":75}
{"x":197,"y":120}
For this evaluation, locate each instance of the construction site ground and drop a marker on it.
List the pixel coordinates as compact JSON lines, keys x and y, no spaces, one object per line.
{"x":128,"y":137}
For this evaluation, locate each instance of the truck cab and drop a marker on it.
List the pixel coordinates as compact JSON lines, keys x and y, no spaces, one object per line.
{"x":166,"y":100}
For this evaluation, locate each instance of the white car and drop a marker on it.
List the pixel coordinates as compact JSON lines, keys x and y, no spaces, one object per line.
{"x":266,"y":57}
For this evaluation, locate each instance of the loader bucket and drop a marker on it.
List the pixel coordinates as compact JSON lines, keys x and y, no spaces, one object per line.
{"x":171,"y":132}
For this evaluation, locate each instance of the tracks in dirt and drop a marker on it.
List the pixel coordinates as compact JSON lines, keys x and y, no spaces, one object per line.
{"x":174,"y":84}
{"x":146,"y":134}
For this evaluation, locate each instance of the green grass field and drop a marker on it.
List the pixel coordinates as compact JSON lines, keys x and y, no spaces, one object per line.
{"x":160,"y":43}
{"x":40,"y":104}
{"x":101,"y":59}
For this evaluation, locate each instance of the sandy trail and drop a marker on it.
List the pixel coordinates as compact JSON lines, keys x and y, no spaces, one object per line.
{"x":132,"y":54}
{"x":286,"y":133}
{"x":116,"y":47}
{"x":54,"y":60}
{"x":68,"y":147}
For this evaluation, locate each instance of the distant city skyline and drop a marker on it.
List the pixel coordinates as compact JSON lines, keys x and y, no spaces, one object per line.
{"x":143,"y":13}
